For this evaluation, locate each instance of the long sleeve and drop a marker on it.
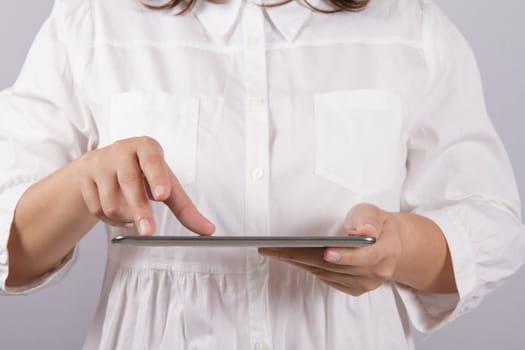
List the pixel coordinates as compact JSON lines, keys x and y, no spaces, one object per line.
{"x":459,"y":175}
{"x":44,"y":125}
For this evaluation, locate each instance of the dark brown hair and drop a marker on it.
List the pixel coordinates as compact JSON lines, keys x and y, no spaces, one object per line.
{"x":339,"y":5}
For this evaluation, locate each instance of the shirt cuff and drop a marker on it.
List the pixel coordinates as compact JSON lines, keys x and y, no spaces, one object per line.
{"x":49,"y":279}
{"x":9,"y":197}
{"x":430,"y":311}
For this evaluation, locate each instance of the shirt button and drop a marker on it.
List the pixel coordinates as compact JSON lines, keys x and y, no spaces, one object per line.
{"x":261,"y":346}
{"x":257,"y":174}
{"x":253,"y":41}
{"x":255,"y":102}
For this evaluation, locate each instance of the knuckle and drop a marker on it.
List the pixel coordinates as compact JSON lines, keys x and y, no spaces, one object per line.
{"x":110,"y":221}
{"x":362,"y":206}
{"x":383,"y":273}
{"x":97,"y":211}
{"x":360,"y":209}
{"x":107,"y":201}
{"x":120,"y":145}
{"x":189,"y":205}
{"x":153,"y":160}
{"x":130,"y":177}
{"x":362,"y":212}
{"x":112,"y":212}
{"x":150,"y":142}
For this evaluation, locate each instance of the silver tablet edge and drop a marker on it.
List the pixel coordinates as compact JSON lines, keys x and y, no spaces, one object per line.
{"x":245,"y":241}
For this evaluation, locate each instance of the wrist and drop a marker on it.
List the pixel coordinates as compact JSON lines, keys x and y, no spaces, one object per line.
{"x":396,"y":224}
{"x":424,"y":262}
{"x":77,"y":171}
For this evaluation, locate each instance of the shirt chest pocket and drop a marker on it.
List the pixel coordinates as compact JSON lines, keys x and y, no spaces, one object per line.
{"x":358,"y":139}
{"x":170,"y":119}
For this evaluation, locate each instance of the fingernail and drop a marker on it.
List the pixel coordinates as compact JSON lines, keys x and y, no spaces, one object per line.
{"x":332,"y":256}
{"x":158,"y":191}
{"x":144,"y":227}
{"x":129,"y":225}
{"x":211,"y":226}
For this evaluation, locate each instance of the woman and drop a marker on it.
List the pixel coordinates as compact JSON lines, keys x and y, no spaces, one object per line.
{"x":276,"y":120}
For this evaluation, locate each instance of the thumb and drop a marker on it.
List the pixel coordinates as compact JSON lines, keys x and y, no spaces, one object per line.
{"x":365,"y":219}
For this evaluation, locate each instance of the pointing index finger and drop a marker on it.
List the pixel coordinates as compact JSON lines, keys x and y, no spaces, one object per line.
{"x":185,"y":211}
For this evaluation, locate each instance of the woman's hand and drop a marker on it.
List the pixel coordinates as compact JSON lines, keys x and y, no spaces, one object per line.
{"x":352,"y":270}
{"x":117,"y":182}
{"x":410,"y":249}
{"x":113,"y":184}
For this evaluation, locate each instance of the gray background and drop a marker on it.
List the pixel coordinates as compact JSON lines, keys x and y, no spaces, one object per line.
{"x":58,"y":317}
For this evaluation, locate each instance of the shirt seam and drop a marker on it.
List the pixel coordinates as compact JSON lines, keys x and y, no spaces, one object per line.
{"x":167,"y":268}
{"x":131,"y":44}
{"x":17,"y":181}
{"x":387,"y":40}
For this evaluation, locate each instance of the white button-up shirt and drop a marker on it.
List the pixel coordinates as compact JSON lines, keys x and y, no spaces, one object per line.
{"x":277,"y":121}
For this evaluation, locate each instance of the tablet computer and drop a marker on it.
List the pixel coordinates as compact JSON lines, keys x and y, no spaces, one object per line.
{"x":247,"y":241}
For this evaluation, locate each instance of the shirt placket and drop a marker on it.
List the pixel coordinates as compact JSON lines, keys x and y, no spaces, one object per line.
{"x":257,"y":169}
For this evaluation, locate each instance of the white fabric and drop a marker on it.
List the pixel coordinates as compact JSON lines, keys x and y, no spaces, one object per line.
{"x":277,"y":121}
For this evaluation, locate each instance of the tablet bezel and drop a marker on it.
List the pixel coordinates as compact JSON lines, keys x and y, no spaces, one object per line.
{"x":352,"y":241}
